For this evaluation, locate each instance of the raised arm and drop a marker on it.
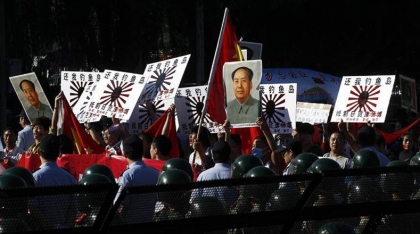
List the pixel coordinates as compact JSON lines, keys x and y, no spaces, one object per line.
{"x":165,"y":129}
{"x":54,"y":119}
{"x":151,"y":110}
{"x":274,"y":161}
{"x":351,"y":140}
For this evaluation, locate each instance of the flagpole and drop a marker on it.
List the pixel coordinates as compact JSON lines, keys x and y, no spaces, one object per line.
{"x":213,"y":70}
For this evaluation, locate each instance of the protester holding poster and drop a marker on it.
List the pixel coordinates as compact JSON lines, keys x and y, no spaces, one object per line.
{"x":243,"y":97}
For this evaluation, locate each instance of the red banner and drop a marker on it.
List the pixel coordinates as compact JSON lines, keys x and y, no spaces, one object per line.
{"x":77,"y":163}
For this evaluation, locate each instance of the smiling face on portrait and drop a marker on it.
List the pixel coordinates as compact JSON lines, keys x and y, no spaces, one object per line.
{"x":242,"y":85}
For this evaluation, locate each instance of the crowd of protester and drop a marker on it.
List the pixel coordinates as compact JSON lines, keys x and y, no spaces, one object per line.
{"x":203,"y":156}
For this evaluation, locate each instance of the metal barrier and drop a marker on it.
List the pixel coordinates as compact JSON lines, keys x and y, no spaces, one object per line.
{"x":380,"y":200}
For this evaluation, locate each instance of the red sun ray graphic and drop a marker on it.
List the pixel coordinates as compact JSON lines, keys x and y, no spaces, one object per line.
{"x":363,"y":98}
{"x":273,"y":106}
{"x":116,"y":93}
{"x":160,"y":80}
{"x":76,"y":90}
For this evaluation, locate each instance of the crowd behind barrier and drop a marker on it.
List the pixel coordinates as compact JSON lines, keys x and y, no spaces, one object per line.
{"x":368,"y":209}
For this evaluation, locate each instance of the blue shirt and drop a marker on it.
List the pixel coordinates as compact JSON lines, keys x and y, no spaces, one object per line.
{"x":50,"y":174}
{"x":138,"y":208}
{"x":25,"y":138}
{"x":64,"y":212}
{"x":383,"y":160}
{"x":227,"y":196}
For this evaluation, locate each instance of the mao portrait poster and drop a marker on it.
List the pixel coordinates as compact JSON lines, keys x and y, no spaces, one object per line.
{"x":243,"y":103}
{"x":31,"y":96}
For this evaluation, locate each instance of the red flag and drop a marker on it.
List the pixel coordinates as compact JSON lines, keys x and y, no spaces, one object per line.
{"x":156,"y":130}
{"x":227,"y":50}
{"x":390,"y":137}
{"x":70,"y":126}
{"x":247,"y":137}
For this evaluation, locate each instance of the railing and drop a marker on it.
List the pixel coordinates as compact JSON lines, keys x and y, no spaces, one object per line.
{"x":380,"y":200}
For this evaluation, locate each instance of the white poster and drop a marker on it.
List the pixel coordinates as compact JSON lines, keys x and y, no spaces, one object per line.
{"x":116,"y":94}
{"x":31,"y":96}
{"x":73,"y":83}
{"x":164,"y":78}
{"x":140,"y":119}
{"x":279,"y":106}
{"x":189,"y":103}
{"x":363,"y":98}
{"x":80,"y":108}
{"x":313,"y":113}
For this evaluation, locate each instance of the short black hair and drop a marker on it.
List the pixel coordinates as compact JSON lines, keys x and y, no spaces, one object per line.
{"x":366,"y":136}
{"x":163,"y":144}
{"x":11,"y":130}
{"x":133,"y":147}
{"x":43,"y":121}
{"x":221,"y":152}
{"x":340,"y":135}
{"x":49,"y":147}
{"x":30,"y":83}
{"x":248,"y":70}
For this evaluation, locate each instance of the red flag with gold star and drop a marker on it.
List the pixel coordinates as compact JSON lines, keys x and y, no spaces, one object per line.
{"x":83,"y":143}
{"x":228,"y":50}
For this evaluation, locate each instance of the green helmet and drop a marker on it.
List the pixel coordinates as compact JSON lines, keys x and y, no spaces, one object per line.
{"x":86,"y":201}
{"x":415,"y":160}
{"x":95,"y":178}
{"x":8,"y":181}
{"x":335,"y":228}
{"x":178,"y":163}
{"x":283,"y":199}
{"x":399,"y":185}
{"x":323,"y":164}
{"x":13,"y":205}
{"x":243,"y":164}
{"x":260,"y":192}
{"x":174,"y":176}
{"x":205,"y":206}
{"x":23,"y":173}
{"x":365,"y":190}
{"x":397,"y":163}
{"x":260,"y":171}
{"x":101,"y":169}
{"x":301,"y":163}
{"x":365,"y":158}
{"x":177,"y":199}
{"x":11,"y":225}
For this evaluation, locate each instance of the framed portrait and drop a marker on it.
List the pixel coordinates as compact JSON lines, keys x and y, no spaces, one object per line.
{"x":31,"y":96}
{"x":243,"y":101}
